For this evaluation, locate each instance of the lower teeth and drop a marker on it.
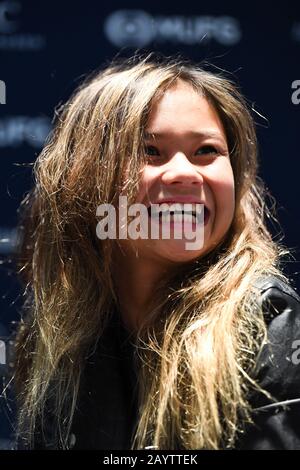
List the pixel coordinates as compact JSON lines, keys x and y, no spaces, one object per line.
{"x":177,"y":218}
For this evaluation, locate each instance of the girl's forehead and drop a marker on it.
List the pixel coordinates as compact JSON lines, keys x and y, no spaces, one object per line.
{"x":184,"y":110}
{"x":180,"y":89}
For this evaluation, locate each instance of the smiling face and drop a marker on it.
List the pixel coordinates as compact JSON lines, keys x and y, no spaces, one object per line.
{"x":188,"y":161}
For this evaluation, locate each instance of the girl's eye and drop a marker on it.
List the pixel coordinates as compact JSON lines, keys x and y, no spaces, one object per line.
{"x":207,"y":149}
{"x":151,"y":151}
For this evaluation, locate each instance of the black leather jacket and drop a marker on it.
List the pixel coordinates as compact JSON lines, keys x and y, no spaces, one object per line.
{"x":106,"y":410}
{"x":277,"y":425}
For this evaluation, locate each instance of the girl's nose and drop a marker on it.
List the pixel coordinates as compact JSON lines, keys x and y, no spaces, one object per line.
{"x":181,"y":171}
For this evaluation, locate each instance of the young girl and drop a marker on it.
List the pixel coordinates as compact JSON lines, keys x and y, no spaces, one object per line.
{"x":135,"y":342}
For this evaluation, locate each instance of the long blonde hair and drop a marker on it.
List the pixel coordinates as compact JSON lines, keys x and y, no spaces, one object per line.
{"x":198,"y":344}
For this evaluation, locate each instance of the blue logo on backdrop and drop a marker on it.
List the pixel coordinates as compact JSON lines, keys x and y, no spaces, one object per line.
{"x":129,"y":28}
{"x":19,"y":130}
{"x":295,"y":33}
{"x":7,"y":23}
{"x":138,"y":28}
{"x":10,"y":24}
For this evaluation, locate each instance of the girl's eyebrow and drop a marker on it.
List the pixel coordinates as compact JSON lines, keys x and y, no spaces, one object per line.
{"x":194,"y":134}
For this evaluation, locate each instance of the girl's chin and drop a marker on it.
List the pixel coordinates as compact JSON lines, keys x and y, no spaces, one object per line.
{"x":179,"y":254}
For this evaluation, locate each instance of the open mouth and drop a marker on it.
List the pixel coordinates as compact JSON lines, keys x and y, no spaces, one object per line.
{"x":180,"y":214}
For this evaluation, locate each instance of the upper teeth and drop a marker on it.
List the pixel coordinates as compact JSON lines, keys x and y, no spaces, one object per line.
{"x":185,"y":209}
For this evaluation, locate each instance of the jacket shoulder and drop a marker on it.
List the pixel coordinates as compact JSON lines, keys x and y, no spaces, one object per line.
{"x":270,"y":284}
{"x":278,"y":297}
{"x":276,"y":417}
{"x":278,"y":364}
